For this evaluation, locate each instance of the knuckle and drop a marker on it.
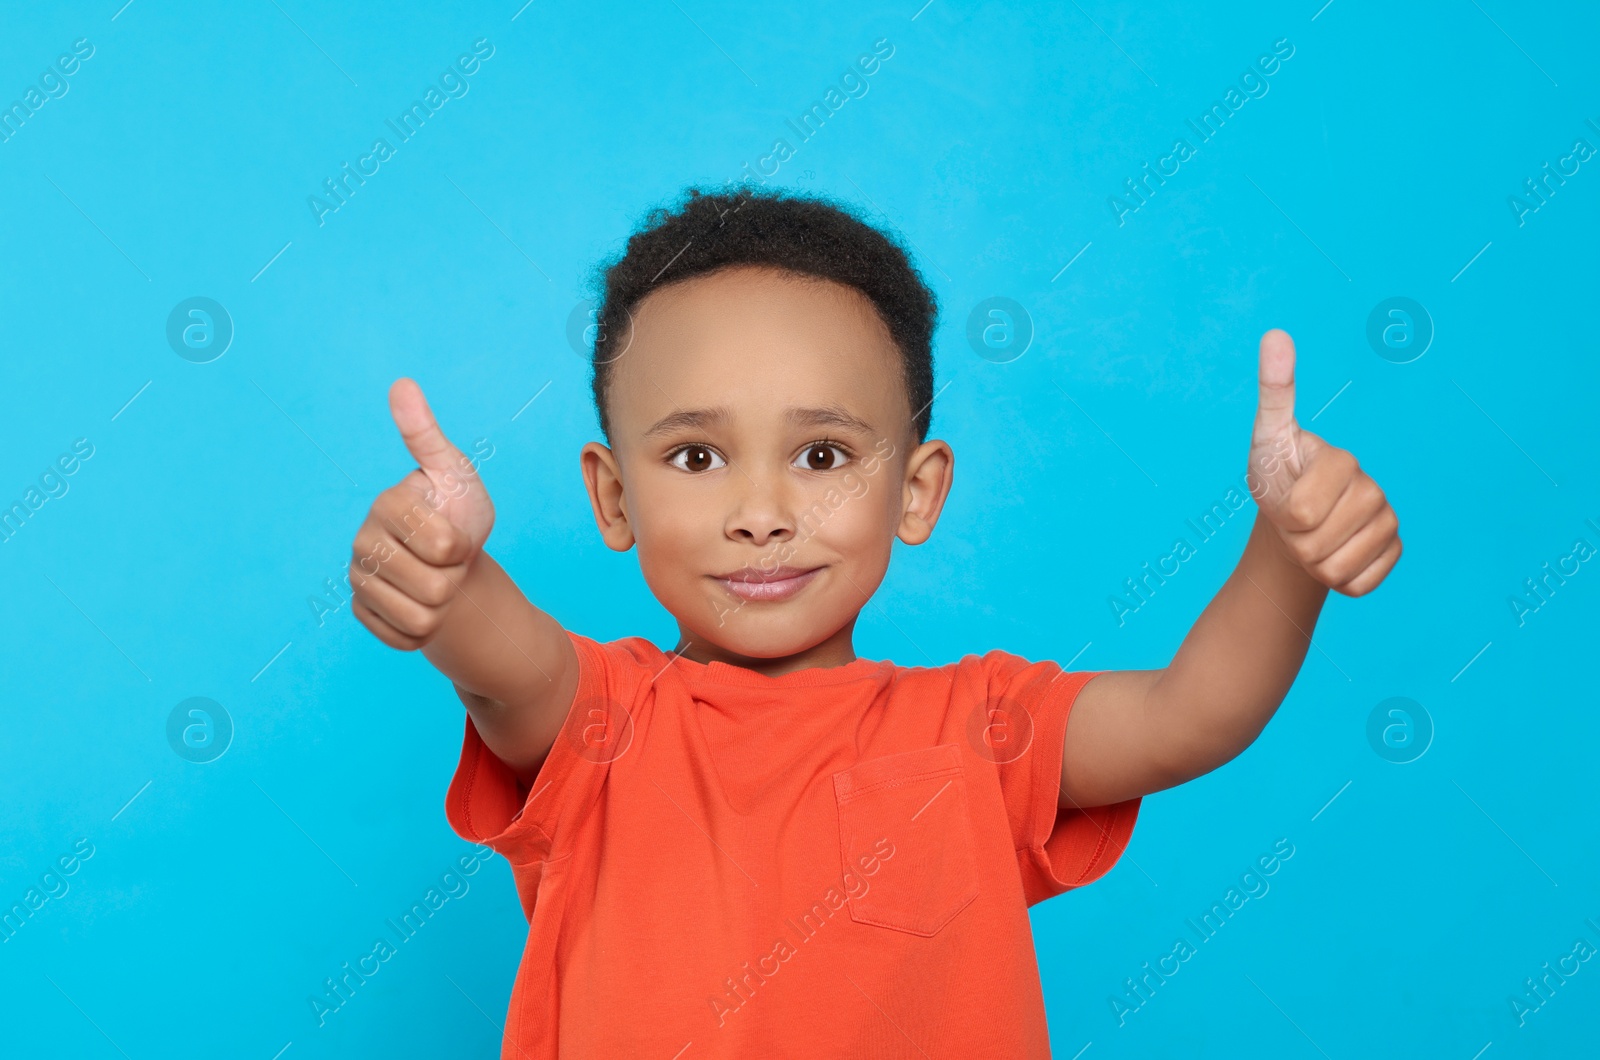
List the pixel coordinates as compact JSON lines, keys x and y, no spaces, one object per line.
{"x":1303,"y":549}
{"x":440,"y":541}
{"x":375,"y":625}
{"x":363,"y":543}
{"x":416,"y":619}
{"x":436,"y":589}
{"x":1334,"y":573}
{"x":392,"y":500}
{"x":409,"y":519}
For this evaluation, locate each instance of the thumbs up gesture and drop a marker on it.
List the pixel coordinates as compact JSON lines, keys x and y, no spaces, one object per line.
{"x":421,"y":535}
{"x":1331,"y":517}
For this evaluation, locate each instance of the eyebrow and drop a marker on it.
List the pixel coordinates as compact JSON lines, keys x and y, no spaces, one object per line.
{"x":830,"y":416}
{"x":688,"y":418}
{"x":823,"y":416}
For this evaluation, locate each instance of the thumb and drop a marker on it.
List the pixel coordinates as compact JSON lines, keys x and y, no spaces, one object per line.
{"x":1275,"y":406}
{"x":1308,"y":445}
{"x":426,"y":442}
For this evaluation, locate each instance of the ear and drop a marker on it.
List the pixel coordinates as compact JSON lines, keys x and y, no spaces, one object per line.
{"x":603,"y":479}
{"x":930,"y":470}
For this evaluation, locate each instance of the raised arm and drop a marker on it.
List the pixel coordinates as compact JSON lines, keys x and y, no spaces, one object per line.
{"x":1322,"y":523}
{"x":421,"y":580}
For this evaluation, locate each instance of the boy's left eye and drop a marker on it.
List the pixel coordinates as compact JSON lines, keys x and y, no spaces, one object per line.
{"x":822,"y":456}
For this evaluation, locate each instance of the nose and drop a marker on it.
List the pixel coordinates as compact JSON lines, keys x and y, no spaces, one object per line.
{"x":761,"y":513}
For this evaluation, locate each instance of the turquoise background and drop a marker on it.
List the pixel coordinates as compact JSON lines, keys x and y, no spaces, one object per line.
{"x":180,"y":559}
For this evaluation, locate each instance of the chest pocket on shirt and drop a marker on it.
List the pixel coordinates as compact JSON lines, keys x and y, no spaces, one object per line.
{"x":905,"y":839}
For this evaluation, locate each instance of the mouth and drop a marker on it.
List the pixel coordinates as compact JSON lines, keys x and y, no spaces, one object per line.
{"x":780,"y":584}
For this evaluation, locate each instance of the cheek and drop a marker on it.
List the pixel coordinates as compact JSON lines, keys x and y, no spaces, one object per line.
{"x":672,"y":530}
{"x":861,"y":531}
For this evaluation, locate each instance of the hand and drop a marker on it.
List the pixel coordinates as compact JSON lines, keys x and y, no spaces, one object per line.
{"x":1331,"y":517}
{"x":421,"y":535}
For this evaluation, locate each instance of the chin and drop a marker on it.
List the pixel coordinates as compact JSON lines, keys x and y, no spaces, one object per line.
{"x":771,"y":638}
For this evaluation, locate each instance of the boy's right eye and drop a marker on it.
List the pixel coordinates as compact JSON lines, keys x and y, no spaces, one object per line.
{"x":696,"y":458}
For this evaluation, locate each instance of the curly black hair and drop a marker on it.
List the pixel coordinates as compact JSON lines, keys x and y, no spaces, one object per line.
{"x":811,"y":235}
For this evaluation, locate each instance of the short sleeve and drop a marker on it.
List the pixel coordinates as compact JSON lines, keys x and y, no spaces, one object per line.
{"x":485,"y":802}
{"x":1057,"y":849}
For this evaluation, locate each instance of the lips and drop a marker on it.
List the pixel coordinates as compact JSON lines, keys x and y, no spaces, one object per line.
{"x":780,"y":583}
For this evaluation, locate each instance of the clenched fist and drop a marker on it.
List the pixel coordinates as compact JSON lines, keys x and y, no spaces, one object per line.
{"x":1330,"y":515}
{"x":421,"y":535}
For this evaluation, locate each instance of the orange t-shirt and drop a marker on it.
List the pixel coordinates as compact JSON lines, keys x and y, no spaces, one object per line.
{"x":837,"y":862}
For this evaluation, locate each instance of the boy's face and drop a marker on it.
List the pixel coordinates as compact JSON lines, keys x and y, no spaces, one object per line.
{"x":760,"y":423}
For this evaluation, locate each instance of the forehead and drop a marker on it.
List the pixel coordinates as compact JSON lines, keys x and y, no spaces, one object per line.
{"x":757,"y":340}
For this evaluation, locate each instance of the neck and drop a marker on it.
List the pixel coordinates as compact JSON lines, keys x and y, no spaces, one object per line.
{"x":837,"y":650}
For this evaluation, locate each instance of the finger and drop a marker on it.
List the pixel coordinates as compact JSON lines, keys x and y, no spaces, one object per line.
{"x":425,"y":441}
{"x":1361,"y":503}
{"x":382,"y":630}
{"x":1318,"y":489}
{"x":425,"y":532}
{"x":402,"y":613}
{"x":1275,"y":377}
{"x":1358,"y":553}
{"x":1373,"y":576}
{"x":388,"y":559}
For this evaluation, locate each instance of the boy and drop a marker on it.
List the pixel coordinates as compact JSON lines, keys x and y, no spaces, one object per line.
{"x":758,"y":844}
